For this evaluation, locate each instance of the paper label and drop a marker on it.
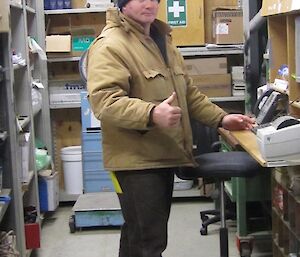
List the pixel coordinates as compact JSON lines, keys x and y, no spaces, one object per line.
{"x":222,"y":29}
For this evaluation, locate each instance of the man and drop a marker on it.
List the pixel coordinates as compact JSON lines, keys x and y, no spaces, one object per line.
{"x":139,"y":89}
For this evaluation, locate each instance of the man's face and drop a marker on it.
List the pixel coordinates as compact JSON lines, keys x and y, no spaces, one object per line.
{"x":142,"y":11}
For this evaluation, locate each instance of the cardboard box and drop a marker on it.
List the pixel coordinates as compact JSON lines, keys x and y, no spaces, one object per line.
{"x":228,"y":26}
{"x":58,"y":43}
{"x":271,"y":7}
{"x":4,"y":16}
{"x":81,"y":40}
{"x":209,"y":6}
{"x":186,"y":20}
{"x":201,"y":66}
{"x":216,"y":85}
{"x":78,"y":4}
{"x":82,"y":29}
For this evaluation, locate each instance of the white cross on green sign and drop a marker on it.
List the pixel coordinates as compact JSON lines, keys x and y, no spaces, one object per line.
{"x":176,"y":13}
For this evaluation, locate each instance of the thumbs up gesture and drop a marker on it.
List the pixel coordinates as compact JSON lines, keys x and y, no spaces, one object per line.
{"x":165,"y":115}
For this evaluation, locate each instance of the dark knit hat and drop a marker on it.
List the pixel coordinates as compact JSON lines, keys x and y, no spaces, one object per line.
{"x":122,"y":3}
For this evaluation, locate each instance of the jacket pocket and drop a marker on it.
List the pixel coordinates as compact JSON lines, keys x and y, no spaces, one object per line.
{"x":151,"y":74}
{"x":157,"y":86}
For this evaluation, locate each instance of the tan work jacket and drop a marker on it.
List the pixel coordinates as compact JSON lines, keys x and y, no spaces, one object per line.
{"x":127,"y":77}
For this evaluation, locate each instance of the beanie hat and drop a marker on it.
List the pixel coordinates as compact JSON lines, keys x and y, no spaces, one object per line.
{"x":122,"y":3}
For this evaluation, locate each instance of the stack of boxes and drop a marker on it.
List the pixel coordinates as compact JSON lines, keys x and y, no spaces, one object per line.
{"x":210,"y":75}
{"x":95,"y":177}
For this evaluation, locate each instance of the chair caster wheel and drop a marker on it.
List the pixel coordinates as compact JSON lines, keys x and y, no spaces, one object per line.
{"x":246,"y":250}
{"x":245,"y":246}
{"x":204,"y":218}
{"x":203,"y":231}
{"x":72,"y":225}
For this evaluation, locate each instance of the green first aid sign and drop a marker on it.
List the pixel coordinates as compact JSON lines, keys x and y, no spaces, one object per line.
{"x":176,"y":13}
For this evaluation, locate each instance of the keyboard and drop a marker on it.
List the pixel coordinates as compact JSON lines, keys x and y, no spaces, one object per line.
{"x":254,"y":129}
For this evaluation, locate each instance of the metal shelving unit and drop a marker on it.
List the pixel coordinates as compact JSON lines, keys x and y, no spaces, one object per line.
{"x":18,"y":116}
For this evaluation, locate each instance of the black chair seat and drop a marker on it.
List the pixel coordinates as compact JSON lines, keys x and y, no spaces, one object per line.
{"x":221,"y":165}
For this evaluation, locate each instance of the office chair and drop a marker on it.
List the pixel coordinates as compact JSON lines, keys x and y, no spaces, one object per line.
{"x":206,"y":139}
{"x":219,"y":166}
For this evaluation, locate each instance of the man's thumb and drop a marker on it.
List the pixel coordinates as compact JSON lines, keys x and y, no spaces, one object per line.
{"x":171,"y":98}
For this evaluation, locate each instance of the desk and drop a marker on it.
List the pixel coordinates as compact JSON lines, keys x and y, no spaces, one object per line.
{"x":246,"y":190}
{"x":285,"y":203}
{"x":245,"y":139}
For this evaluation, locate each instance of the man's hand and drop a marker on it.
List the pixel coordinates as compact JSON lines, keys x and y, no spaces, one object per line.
{"x":165,"y":115}
{"x":237,"y":122}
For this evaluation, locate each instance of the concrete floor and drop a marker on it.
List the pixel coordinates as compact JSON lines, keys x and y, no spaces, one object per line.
{"x":184,"y":237}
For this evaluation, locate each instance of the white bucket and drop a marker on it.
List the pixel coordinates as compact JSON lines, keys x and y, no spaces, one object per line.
{"x":72,"y":166}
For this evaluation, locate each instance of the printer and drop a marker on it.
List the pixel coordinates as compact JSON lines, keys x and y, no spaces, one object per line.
{"x":280,"y":141}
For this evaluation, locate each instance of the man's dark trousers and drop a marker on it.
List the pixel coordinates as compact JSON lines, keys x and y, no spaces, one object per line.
{"x":145,"y":202}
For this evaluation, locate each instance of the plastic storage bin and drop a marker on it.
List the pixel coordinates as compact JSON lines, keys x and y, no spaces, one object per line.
{"x":72,"y":166}
{"x":49,"y":192}
{"x":32,"y":234}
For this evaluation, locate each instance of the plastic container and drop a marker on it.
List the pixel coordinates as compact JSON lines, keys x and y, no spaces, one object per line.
{"x":72,"y":167}
{"x":32,"y":234}
{"x":52,"y":4}
{"x":48,"y":191}
{"x":180,"y":184}
{"x":46,"y":4}
{"x":67,"y":4}
{"x":60,"y":4}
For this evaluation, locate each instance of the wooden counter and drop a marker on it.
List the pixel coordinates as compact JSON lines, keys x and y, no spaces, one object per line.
{"x":245,"y":139}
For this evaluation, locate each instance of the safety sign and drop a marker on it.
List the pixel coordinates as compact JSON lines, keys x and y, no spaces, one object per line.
{"x":176,"y":13}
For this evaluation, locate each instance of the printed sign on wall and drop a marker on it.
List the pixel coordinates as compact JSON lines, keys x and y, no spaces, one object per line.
{"x":176,"y":13}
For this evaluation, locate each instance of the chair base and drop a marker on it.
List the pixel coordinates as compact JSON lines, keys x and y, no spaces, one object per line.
{"x":206,"y":220}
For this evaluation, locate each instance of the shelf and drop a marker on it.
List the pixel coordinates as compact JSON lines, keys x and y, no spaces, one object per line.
{"x":30,"y":10}
{"x":79,"y":10}
{"x":185,"y":51}
{"x":16,"y":5}
{"x":204,"y":51}
{"x":23,"y":121}
{"x":286,"y":223}
{"x":228,"y":99}
{"x":213,"y":99}
{"x":18,"y":66}
{"x":3,"y":205}
{"x":65,"y":105}
{"x":25,"y":185}
{"x":64,"y":59}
